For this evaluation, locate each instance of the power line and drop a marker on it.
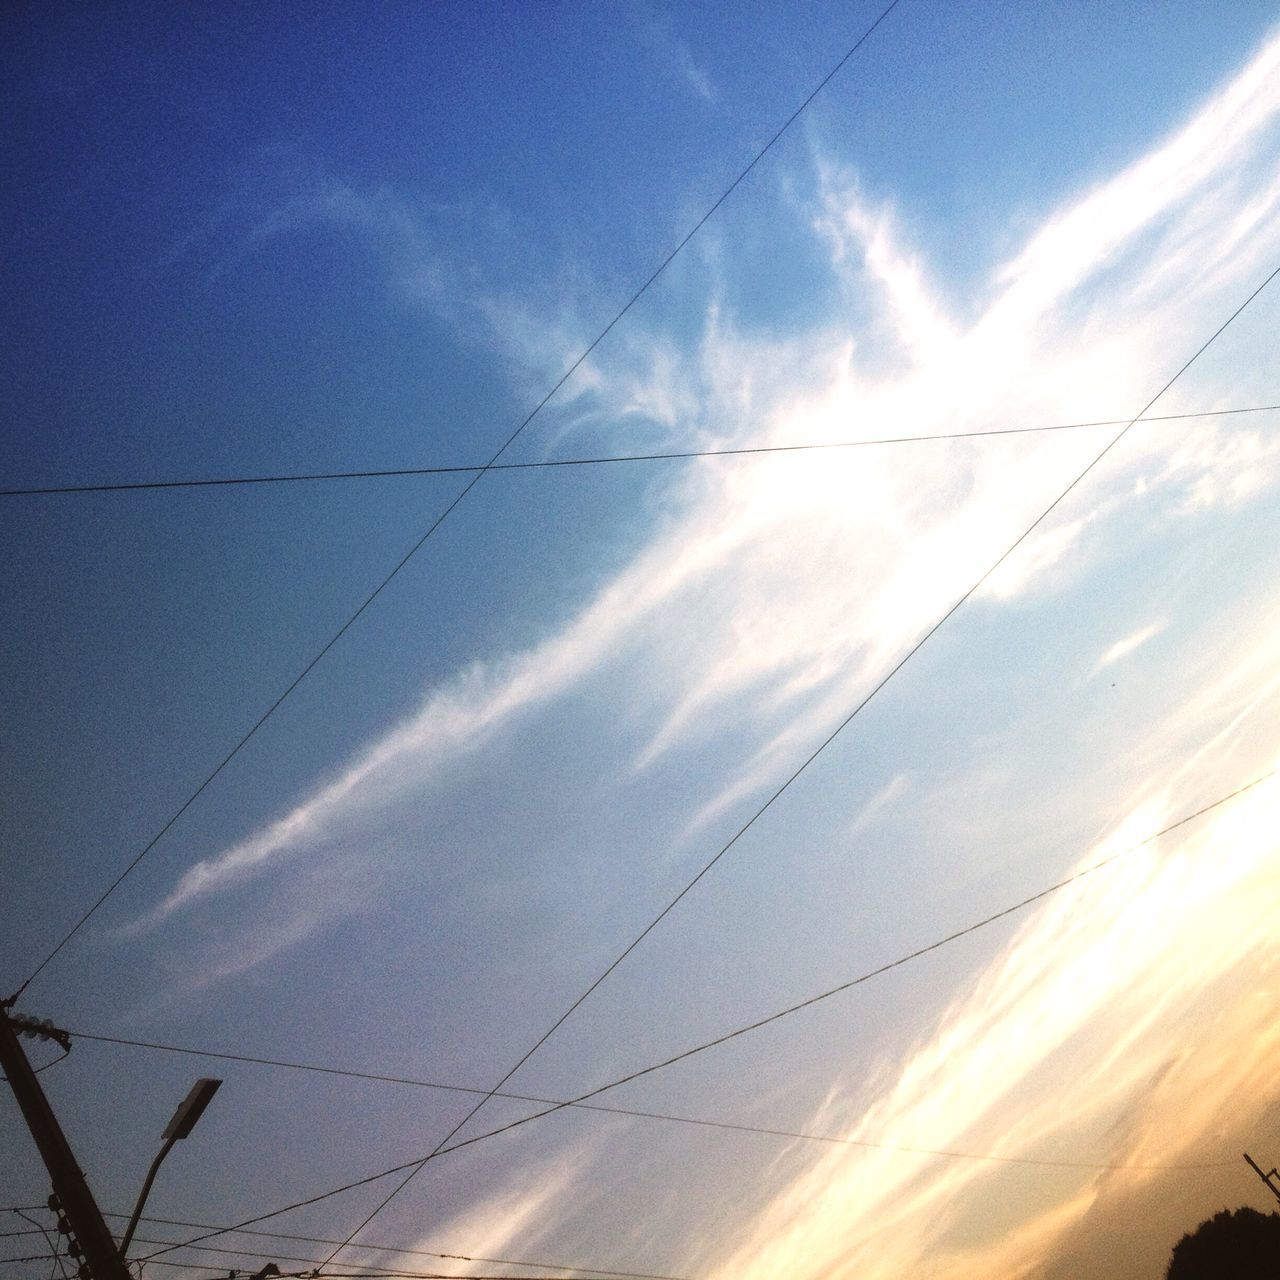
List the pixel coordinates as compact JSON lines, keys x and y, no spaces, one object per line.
{"x":580,"y":1273}
{"x":780,"y":1014}
{"x":374,"y":1248}
{"x":374,"y":1275}
{"x":795,"y":115}
{"x":458,"y":1257}
{"x":466,"y":489}
{"x":634,"y":1113}
{"x":453,"y":1275}
{"x":804,"y":765}
{"x":414,"y":1166}
{"x":58,"y":1265}
{"x":284,"y":1275}
{"x":383,"y":1248}
{"x":606,"y":460}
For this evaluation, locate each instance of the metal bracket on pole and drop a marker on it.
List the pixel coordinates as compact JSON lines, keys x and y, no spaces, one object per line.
{"x":1272,"y":1186}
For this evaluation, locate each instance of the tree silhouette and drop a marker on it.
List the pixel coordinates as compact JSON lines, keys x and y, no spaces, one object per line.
{"x":1240,"y":1244}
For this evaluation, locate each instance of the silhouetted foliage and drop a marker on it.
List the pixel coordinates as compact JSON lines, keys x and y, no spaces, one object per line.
{"x":1239,"y":1244}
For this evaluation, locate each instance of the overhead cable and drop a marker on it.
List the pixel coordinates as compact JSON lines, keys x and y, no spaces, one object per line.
{"x":632,"y":1112}
{"x":56,"y":1254}
{"x":760,"y":154}
{"x":777,"y":1016}
{"x":813,"y":755}
{"x":398,"y":1249}
{"x":743,"y":451}
{"x":374,"y":1271}
{"x":604,"y":1272}
{"x":461,"y":495}
{"x":379,"y":1275}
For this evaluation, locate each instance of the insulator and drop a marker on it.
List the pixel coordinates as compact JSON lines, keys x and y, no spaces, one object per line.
{"x":54,"y":1203}
{"x":64,"y":1225}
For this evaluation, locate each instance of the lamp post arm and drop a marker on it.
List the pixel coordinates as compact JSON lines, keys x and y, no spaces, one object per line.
{"x":143,"y":1194}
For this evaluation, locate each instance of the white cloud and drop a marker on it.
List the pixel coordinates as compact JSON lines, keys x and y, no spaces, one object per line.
{"x":1122,"y":648}
{"x":1087,"y":235}
{"x":883,"y":799}
{"x":771,"y":597}
{"x":506,"y":1221}
{"x":1130,"y":1020}
{"x":1088,"y":995}
{"x":778,"y":592}
{"x":655,"y":30}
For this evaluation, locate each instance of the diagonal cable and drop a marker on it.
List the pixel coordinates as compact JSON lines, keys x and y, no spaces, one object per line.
{"x":632,"y":1112}
{"x":868,"y":976}
{"x":804,"y":765}
{"x":462,"y":493}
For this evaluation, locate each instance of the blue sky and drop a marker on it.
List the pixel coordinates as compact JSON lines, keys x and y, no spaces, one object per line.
{"x":241,"y":245}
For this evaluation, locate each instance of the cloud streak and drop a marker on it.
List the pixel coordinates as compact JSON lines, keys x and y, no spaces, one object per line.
{"x":1123,"y":648}
{"x":1085,"y":1000}
{"x":770,"y":598}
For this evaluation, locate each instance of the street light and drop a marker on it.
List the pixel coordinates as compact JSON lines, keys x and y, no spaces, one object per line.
{"x":190,"y":1109}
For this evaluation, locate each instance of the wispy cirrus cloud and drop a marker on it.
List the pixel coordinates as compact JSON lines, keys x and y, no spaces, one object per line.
{"x":1123,"y":648}
{"x":506,"y":1221}
{"x":772,"y":595}
{"x":1129,"y":1022}
{"x":1060,"y":1051}
{"x":655,"y":31}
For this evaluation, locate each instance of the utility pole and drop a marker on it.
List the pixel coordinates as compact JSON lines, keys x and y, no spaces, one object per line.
{"x":83,"y":1216}
{"x":1266,"y":1177}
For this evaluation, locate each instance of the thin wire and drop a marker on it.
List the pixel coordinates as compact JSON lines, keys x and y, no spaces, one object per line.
{"x":453,"y":1257}
{"x":389,"y":1248}
{"x":442,"y":1275}
{"x":246,"y":1275}
{"x":795,"y":115}
{"x":48,"y":1239}
{"x":415,"y":1166}
{"x":828,"y":994}
{"x":883,"y":969}
{"x":466,"y":489}
{"x":421,"y":1253}
{"x":790,"y":1134}
{"x":376,"y":1275}
{"x":804,"y":765}
{"x":680,"y":455}
{"x":66,"y":1053}
{"x":579,"y":1273}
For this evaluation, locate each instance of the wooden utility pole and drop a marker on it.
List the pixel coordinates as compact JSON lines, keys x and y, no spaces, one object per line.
{"x":83,"y":1216}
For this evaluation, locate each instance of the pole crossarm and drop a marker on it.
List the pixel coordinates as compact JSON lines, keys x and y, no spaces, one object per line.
{"x":39,"y":1029}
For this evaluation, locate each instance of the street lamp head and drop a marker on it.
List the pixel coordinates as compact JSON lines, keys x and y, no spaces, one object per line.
{"x":190,"y":1109}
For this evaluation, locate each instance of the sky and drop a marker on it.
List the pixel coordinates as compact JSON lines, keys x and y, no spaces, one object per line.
{"x":843,"y":702}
